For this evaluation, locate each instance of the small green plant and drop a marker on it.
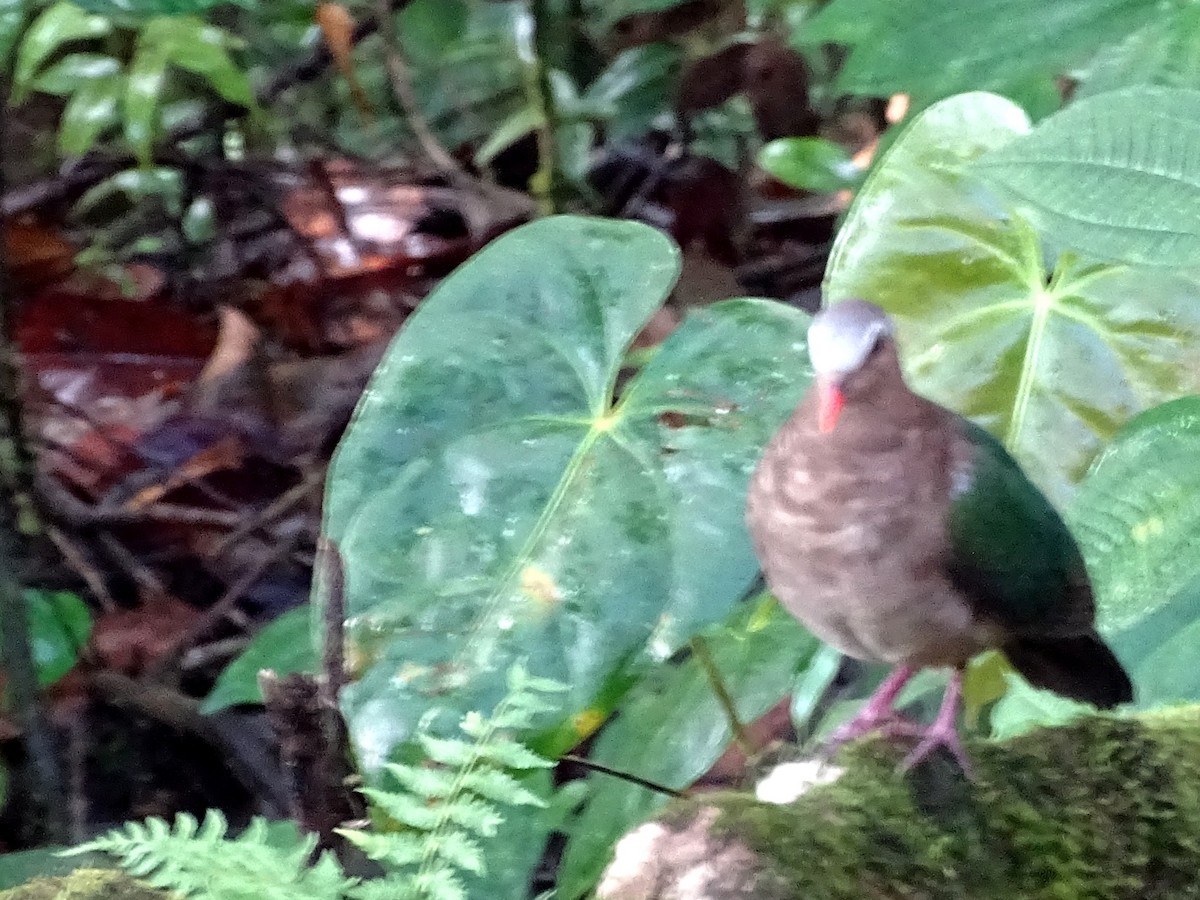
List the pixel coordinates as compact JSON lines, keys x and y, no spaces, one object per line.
{"x":435,"y":814}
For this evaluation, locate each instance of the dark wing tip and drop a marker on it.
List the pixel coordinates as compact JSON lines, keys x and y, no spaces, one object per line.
{"x":1081,"y":667}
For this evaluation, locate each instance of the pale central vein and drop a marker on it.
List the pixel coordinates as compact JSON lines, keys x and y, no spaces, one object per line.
{"x":491,"y":605}
{"x":1043,"y":304}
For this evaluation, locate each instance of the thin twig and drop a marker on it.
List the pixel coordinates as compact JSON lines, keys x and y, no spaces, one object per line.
{"x":224,"y":605}
{"x":624,"y":776}
{"x":143,"y":576}
{"x":80,"y":561}
{"x":741,"y":736}
{"x":332,"y":591}
{"x":271,"y":512}
{"x":546,"y":182}
{"x":400,"y":77}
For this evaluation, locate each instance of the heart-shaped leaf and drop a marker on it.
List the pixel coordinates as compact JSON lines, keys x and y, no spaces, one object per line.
{"x":1053,"y":361}
{"x":1116,"y":175}
{"x":491,"y":502}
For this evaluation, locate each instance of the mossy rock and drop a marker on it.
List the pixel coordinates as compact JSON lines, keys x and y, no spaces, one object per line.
{"x":1103,"y":808}
{"x":85,"y":884}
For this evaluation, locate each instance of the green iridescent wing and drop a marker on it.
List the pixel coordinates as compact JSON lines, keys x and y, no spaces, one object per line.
{"x":1011,"y":552}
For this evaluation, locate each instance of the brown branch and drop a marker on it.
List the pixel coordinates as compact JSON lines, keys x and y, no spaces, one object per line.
{"x":44,"y":771}
{"x":400,"y":77}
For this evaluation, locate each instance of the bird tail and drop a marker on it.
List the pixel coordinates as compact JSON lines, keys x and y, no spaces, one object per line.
{"x":1080,"y":667}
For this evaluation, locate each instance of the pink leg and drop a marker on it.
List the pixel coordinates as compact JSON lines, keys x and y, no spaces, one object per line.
{"x":878,"y":713}
{"x":943,"y":732}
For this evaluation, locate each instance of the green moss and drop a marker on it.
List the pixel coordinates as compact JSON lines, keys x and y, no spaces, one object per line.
{"x":85,"y":884}
{"x":1103,"y":808}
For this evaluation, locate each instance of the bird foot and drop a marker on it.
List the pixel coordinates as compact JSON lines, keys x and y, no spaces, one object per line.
{"x":877,"y":715}
{"x":935,"y":737}
{"x":943,"y":733}
{"x":890,"y":724}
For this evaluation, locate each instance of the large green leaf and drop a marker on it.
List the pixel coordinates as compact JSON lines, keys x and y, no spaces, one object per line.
{"x":1116,"y":175}
{"x":12,"y":18}
{"x":75,"y":70}
{"x":934,"y":48}
{"x":1166,"y":51}
{"x":1138,"y":525}
{"x":492,"y":503}
{"x":635,"y":90}
{"x":812,"y":164}
{"x":132,"y":10}
{"x":1052,"y":360}
{"x":672,"y":729}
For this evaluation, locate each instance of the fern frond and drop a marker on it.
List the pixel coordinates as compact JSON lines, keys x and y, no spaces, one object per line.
{"x":499,"y":787}
{"x":445,"y":807}
{"x":424,"y":781}
{"x":511,"y":755}
{"x":395,"y":850}
{"x":197,"y":860}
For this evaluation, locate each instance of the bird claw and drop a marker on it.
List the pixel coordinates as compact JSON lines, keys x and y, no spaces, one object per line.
{"x":934,"y":738}
{"x":878,"y":716}
{"x":890,"y":725}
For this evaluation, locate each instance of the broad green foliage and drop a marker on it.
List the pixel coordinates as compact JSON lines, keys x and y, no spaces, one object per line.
{"x":813,"y":164}
{"x":935,"y":48}
{"x":1052,"y":355}
{"x":59,"y":627}
{"x":12,"y":17}
{"x":634,"y":90}
{"x":1138,"y":523}
{"x":1116,"y":176}
{"x":149,"y":8}
{"x":105,"y":91}
{"x":672,"y":729}
{"x":491,"y":502}
{"x":1166,"y":51}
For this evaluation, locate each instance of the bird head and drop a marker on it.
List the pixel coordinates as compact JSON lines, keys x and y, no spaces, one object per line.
{"x":844,"y":342}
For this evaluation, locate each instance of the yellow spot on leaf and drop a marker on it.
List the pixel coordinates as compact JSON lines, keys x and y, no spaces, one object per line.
{"x":1143,"y":531}
{"x":356,"y":659}
{"x":586,"y":722}
{"x":539,"y":585}
{"x":606,"y":422}
{"x":410,"y":672}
